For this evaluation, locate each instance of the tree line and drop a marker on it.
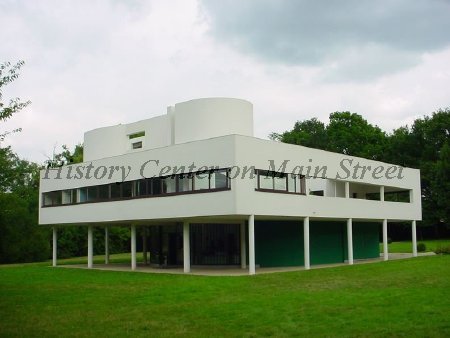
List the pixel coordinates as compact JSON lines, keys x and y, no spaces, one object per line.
{"x":424,"y":145}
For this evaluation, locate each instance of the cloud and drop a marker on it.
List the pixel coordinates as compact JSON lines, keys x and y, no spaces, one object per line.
{"x":353,"y":40}
{"x":98,"y":63}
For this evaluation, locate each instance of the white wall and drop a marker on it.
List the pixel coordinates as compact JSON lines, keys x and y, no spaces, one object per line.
{"x":211,"y":117}
{"x":225,"y":152}
{"x":258,"y":152}
{"x":188,"y":121}
{"x":105,"y":142}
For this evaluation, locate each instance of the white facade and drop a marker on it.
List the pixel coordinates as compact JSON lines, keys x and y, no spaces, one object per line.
{"x":218,"y":132}
{"x":185,"y":122}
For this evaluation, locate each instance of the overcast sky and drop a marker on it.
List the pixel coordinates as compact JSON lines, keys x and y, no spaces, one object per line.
{"x":96,"y":63}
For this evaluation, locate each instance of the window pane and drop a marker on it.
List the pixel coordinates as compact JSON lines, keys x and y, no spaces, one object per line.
{"x":115,"y":190}
{"x":92,"y":193}
{"x":74,"y":195}
{"x":156,"y":186}
{"x":219,"y":180}
{"x":291,"y":182}
{"x":280,"y":182}
{"x":57,"y":197}
{"x":265,"y":180}
{"x":201,"y":181}
{"x":185,"y":183}
{"x":169,"y":185}
{"x":137,"y":145}
{"x":82,"y":192}
{"x":66,"y":196}
{"x":47,"y":196}
{"x":141,"y":188}
{"x":301,"y":183}
{"x":103,"y":192}
{"x":127,"y":189}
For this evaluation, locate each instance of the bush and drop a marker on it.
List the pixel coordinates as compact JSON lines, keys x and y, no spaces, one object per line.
{"x":421,"y":247}
{"x":443,"y":250}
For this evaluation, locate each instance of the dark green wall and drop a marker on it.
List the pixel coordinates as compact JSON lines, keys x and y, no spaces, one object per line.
{"x":327,"y":242}
{"x":366,"y":240}
{"x":279,"y":243}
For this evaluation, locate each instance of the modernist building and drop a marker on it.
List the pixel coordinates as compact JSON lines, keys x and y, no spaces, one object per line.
{"x":207,"y":192}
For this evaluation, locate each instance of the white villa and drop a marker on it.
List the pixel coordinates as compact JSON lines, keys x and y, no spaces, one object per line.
{"x":204,"y":191}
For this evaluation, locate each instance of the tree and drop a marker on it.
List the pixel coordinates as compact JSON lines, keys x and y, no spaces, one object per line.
{"x":66,"y":157}
{"x":346,"y":133}
{"x":308,"y":133}
{"x":441,"y":184}
{"x":21,"y":239}
{"x":9,"y":73}
{"x":349,"y":133}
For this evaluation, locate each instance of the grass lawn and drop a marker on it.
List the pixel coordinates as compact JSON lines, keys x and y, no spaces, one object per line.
{"x":406,"y":246}
{"x":100,"y":259}
{"x":397,"y":298}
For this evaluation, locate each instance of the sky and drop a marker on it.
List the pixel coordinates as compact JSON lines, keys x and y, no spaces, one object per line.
{"x":94,"y":63}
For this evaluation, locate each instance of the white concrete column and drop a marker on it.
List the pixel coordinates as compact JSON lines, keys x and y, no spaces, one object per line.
{"x":306,"y":243}
{"x":347,"y":189}
{"x":90,"y":247}
{"x":382,"y":193}
{"x":55,"y":245}
{"x":350,"y":240}
{"x":385,"y":241}
{"x":106,"y":245}
{"x":243,"y":247}
{"x":414,"y":238}
{"x":186,"y":248}
{"x":133,"y":247}
{"x":144,"y":245}
{"x":251,"y":245}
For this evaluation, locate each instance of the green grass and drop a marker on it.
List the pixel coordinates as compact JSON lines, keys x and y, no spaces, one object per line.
{"x":116,"y":258}
{"x":403,"y":298}
{"x":431,"y":245}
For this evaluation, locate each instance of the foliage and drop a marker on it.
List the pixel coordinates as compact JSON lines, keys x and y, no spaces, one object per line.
{"x":66,"y":157}
{"x":347,"y":133}
{"x":350,"y":134}
{"x":9,"y":73}
{"x":72,"y":241}
{"x":443,"y":250}
{"x":348,"y":301}
{"x":421,"y":247}
{"x":21,"y":239}
{"x":309,"y":133}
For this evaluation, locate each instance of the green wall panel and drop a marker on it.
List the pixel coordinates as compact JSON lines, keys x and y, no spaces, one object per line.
{"x":366,"y":240}
{"x":279,"y":243}
{"x":327,"y":242}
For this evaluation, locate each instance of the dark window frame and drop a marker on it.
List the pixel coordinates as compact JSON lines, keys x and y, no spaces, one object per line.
{"x":150,"y":186}
{"x":266,"y":173}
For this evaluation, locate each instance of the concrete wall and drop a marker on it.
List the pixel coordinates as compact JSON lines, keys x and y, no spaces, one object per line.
{"x":185,"y":122}
{"x":205,"y":118}
{"x":257,"y":152}
{"x":226,"y":152}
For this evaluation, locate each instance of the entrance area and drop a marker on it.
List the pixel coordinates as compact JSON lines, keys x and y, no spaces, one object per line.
{"x":215,"y":244}
{"x":210,"y":244}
